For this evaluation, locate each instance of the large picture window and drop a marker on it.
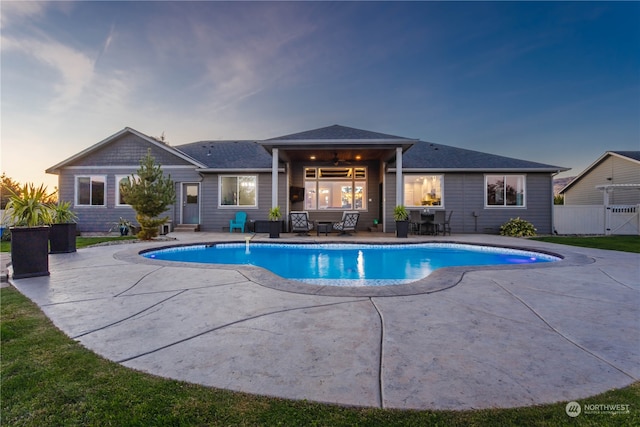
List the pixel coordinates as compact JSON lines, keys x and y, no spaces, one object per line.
{"x":90,"y":190}
{"x":238,"y":190}
{"x":505,"y":190}
{"x":340,"y":188}
{"x":423,"y":190}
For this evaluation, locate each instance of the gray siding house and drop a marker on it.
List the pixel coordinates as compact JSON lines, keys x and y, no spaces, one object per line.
{"x":324,"y":171}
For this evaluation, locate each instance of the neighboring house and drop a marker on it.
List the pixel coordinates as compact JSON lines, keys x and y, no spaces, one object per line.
{"x":616,"y":173}
{"x":604,"y":198}
{"x":323,"y":171}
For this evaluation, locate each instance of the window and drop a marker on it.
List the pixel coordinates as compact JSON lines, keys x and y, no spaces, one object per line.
{"x":342,"y":188}
{"x":505,"y":190}
{"x":423,"y":190}
{"x":90,"y":190}
{"x":238,"y":191}
{"x":119,"y":180}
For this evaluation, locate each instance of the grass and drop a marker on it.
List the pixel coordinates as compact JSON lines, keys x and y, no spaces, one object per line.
{"x":81,"y":242}
{"x":614,"y":243}
{"x":50,"y":380}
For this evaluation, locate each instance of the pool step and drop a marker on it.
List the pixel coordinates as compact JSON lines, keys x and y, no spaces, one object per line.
{"x":186,"y":228}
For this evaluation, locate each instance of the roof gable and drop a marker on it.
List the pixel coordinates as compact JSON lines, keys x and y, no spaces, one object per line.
{"x":338,"y":133}
{"x":632,"y":156}
{"x":118,"y":150}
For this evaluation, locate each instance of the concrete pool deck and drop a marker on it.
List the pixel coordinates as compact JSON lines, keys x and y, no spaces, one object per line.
{"x":506,"y":337}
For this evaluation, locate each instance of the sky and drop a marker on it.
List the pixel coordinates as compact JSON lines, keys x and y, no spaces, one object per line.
{"x":552,"y":82}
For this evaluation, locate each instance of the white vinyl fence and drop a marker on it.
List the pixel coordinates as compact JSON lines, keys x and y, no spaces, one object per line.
{"x":597,"y":219}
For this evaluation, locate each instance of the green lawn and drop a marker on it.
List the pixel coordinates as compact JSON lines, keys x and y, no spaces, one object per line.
{"x":614,"y":243}
{"x":50,"y":380}
{"x":81,"y":242}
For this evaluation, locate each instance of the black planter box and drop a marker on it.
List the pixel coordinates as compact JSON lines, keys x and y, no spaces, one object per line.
{"x":29,"y":251}
{"x":402,"y":228}
{"x":274,"y":229}
{"x":62,"y":238}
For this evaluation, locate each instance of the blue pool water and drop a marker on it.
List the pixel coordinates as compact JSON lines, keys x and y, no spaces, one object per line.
{"x":350,"y":264}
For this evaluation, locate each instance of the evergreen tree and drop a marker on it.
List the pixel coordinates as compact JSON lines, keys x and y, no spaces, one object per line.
{"x":149,"y":193}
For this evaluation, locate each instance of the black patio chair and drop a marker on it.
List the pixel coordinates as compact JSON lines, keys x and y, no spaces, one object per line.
{"x":348,"y":223}
{"x":300,"y":223}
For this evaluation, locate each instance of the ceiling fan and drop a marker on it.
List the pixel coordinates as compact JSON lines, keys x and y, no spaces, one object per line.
{"x":336,"y":160}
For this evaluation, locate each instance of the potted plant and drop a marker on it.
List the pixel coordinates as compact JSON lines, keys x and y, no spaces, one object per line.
{"x":62,"y":234}
{"x":123,"y":225}
{"x":401,"y":215}
{"x":274,"y":227}
{"x":29,"y":214}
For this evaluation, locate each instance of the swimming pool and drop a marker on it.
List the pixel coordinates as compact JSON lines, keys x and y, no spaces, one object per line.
{"x":350,"y":264}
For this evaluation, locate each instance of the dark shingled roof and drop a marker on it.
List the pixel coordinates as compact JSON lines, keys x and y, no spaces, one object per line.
{"x":337,"y":132}
{"x":635,"y":155}
{"x":228,"y":154}
{"x":426,"y":155}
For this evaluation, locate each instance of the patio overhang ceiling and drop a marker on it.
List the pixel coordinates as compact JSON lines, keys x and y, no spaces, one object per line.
{"x":328,"y":150}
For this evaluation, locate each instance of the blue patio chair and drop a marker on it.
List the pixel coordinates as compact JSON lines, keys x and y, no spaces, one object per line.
{"x":238,"y":221}
{"x":348,"y":223}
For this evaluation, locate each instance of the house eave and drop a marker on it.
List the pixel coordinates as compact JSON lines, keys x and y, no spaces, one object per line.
{"x":237,"y":170}
{"x":302,"y":144}
{"x":479,"y":170}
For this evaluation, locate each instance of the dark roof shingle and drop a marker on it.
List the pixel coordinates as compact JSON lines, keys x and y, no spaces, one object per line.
{"x":228,"y":154}
{"x":337,"y":132}
{"x":427,"y":155}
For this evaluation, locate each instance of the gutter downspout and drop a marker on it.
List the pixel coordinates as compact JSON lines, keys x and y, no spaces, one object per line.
{"x":274,"y":178}
{"x":399,"y":187}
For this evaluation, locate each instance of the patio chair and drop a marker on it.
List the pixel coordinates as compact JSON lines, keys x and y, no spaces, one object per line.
{"x":446,"y":224}
{"x":238,"y":221}
{"x":300,"y":223}
{"x":438,"y":221}
{"x":348,"y":223}
{"x":417,"y":223}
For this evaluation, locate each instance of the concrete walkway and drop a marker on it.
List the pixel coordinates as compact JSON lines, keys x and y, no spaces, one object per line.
{"x":504,"y":337}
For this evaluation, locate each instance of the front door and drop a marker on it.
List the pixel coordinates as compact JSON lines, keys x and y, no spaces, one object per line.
{"x":191,"y":203}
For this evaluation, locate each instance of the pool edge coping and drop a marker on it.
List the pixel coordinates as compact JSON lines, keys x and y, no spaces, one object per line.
{"x":441,"y":279}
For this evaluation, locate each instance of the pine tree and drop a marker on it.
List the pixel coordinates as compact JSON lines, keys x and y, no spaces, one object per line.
{"x":149,"y":193}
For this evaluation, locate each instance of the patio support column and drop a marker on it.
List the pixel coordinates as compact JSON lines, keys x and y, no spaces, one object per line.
{"x":399,"y":186}
{"x":274,"y":178}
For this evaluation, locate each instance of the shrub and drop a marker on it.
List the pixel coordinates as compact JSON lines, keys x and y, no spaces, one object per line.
{"x":400,"y":213}
{"x":275,"y":214}
{"x":517,"y":227}
{"x":29,"y":207}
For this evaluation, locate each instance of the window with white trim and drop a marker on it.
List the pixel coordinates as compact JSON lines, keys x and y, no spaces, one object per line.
{"x":423,"y":190}
{"x":91,"y":190}
{"x":120,"y":179}
{"x":505,"y":190}
{"x":238,"y":190}
{"x":340,"y":188}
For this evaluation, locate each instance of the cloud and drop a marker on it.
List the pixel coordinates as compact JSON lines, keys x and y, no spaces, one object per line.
{"x":15,"y":12}
{"x":74,"y":70}
{"x":226,"y":53}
